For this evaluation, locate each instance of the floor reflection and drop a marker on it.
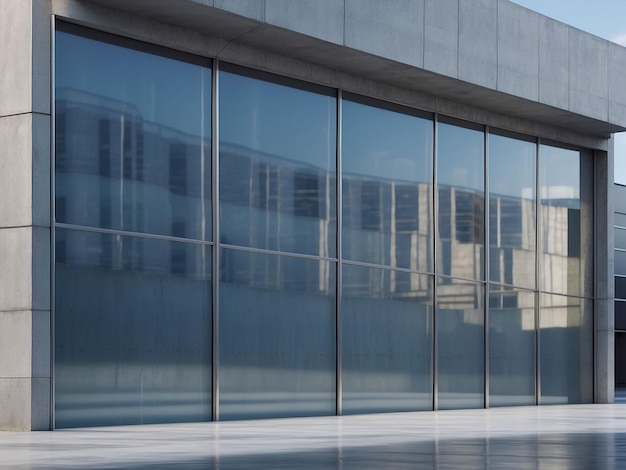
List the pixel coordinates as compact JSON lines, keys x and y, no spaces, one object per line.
{"x":551,"y":437}
{"x":561,"y":451}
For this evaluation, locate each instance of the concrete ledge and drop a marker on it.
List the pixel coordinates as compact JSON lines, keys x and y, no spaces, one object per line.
{"x":496,"y":71}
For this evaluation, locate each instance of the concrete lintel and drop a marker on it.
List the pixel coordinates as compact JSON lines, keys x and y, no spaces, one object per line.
{"x":357,"y":54}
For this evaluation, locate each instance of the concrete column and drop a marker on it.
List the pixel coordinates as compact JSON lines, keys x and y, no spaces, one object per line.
{"x":604,"y":320}
{"x":25,"y":379}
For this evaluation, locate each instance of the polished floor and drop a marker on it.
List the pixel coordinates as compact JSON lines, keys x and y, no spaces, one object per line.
{"x":550,"y":437}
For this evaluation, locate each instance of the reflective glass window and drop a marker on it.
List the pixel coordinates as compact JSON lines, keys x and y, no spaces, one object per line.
{"x":620,"y":220}
{"x":620,"y":262}
{"x":620,"y":198}
{"x":620,"y":314}
{"x":387,"y":337}
{"x":460,"y":183}
{"x":277,"y":336}
{"x":277,"y":164}
{"x":512,"y":226}
{"x":460,"y":345}
{"x":566,"y":349}
{"x":567,"y":221}
{"x":132,"y":322}
{"x":511,"y":346}
{"x":387,"y":189}
{"x":620,"y":287}
{"x":620,"y":239}
{"x":133,"y":137}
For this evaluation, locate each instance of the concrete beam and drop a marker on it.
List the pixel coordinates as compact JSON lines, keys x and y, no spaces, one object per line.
{"x":508,"y":58}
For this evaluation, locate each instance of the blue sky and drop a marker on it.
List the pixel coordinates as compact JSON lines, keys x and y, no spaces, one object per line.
{"x":604,"y":18}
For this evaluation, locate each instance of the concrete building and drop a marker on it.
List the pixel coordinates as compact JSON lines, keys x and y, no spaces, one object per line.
{"x":231,"y":209}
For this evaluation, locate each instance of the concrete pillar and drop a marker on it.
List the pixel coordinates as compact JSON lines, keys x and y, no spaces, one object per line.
{"x":25,"y":379}
{"x":604,"y":319}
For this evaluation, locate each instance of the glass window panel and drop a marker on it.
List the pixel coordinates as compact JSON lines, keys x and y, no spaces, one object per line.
{"x":277,"y":166}
{"x":511,"y":346}
{"x":620,"y":262}
{"x":566,"y":349}
{"x":387,"y":189}
{"x":620,"y":287}
{"x":460,"y":344}
{"x":132,"y":330}
{"x":512,"y":226}
{"x":460,"y":179}
{"x":387,"y":336}
{"x":620,"y":220}
{"x":620,"y":198}
{"x":620,"y":238}
{"x":133,"y":139}
{"x":567,"y":221}
{"x":277,"y":336}
{"x":620,"y":314}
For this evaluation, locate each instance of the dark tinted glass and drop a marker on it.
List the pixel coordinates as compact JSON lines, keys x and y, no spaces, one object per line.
{"x":277,"y":336}
{"x":620,"y":287}
{"x":132,"y":330}
{"x":387,"y":335}
{"x":511,"y":347}
{"x":620,"y":315}
{"x":460,"y":345}
{"x":620,"y":262}
{"x":566,"y":350}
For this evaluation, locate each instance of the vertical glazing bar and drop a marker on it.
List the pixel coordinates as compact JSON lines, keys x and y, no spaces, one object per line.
{"x":435,"y":196}
{"x":538,"y":275}
{"x":52,"y":221}
{"x":339,"y":194}
{"x":486,"y":261}
{"x":215,"y":383}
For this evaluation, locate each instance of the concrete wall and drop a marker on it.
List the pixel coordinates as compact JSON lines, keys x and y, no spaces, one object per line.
{"x":25,"y":215}
{"x":604,"y":255}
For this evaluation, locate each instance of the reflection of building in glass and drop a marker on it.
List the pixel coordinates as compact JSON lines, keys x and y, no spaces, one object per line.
{"x":134,"y":168}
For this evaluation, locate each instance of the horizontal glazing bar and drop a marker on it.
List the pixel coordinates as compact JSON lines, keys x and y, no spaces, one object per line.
{"x":131,"y":234}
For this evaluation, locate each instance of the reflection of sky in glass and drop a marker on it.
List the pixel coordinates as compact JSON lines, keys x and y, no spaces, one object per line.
{"x":560,"y":173}
{"x":511,"y":167}
{"x":172,"y":93}
{"x":386,"y":144}
{"x":287,"y":122}
{"x":460,"y":157}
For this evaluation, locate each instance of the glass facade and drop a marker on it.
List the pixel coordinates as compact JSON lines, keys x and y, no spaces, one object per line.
{"x":387,"y":340}
{"x":276,"y":335}
{"x":306,"y":252}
